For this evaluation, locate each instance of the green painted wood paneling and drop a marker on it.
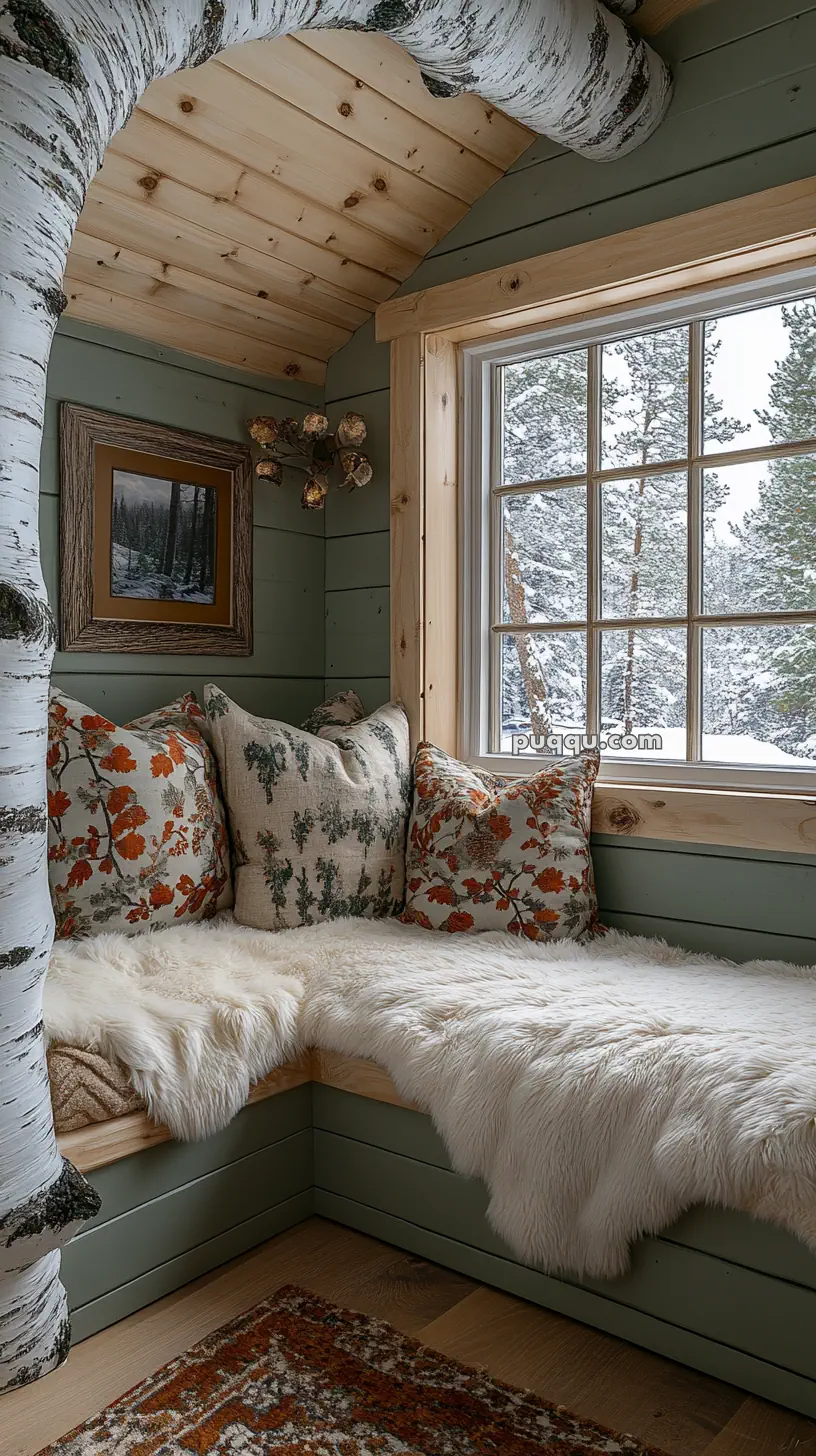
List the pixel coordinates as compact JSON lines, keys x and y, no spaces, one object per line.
{"x":745,"y":1240}
{"x":288,"y":650}
{"x":374,"y":691}
{"x":763,"y":1378}
{"x":751,"y":894}
{"x":695,"y":33}
{"x":728,"y":127}
{"x":713,"y":939}
{"x":355,"y":561}
{"x":126,"y":695}
{"x":71,"y":328}
{"x":132,"y":1244}
{"x":363,"y":372}
{"x":398,"y":1129}
{"x":154,"y":1172}
{"x":770,"y":1319}
{"x":98,"y":1314}
{"x":724,"y":1233}
{"x":358,"y":633}
{"x":352,"y":512}
{"x":711,"y":851}
{"x":128,"y":376}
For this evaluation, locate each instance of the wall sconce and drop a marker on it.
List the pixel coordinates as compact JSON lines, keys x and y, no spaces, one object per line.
{"x":326,"y":459}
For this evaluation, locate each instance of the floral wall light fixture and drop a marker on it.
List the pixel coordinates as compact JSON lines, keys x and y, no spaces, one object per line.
{"x":323,"y":457}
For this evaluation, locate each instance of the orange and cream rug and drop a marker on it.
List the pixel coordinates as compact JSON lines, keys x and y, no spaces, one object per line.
{"x":296,"y":1376}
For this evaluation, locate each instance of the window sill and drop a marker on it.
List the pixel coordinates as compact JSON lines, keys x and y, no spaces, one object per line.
{"x":748,"y":817}
{"x":783,"y":823}
{"x":758,"y":818}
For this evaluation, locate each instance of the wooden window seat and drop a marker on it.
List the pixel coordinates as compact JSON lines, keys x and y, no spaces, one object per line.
{"x":111,"y":1137}
{"x":328,"y":1134}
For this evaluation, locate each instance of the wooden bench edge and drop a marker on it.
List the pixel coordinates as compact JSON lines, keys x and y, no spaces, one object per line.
{"x":100,"y":1143}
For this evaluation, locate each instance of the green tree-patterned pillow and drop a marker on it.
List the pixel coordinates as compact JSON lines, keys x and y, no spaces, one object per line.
{"x":318,"y":822}
{"x":336,"y":712}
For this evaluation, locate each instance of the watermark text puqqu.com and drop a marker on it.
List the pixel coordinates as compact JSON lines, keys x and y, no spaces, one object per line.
{"x":576,"y":742}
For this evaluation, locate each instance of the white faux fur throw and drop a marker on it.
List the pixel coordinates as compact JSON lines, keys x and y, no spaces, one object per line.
{"x":196,"y":1013}
{"x":598,"y":1091}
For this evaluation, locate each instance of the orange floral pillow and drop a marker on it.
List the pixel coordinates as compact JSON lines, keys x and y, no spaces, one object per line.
{"x":494,"y":854}
{"x":136,"y":830}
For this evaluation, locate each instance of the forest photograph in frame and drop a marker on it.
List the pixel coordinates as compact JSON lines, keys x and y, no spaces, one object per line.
{"x":155,"y":538}
{"x":163,"y":541}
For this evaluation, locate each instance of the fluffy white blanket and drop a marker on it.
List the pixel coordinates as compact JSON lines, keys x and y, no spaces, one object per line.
{"x":598,"y":1091}
{"x":197,"y":1015}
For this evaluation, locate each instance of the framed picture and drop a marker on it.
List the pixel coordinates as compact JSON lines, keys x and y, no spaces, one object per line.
{"x":155,"y":538}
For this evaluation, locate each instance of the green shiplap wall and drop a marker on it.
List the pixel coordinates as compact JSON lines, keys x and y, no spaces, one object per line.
{"x":284,"y":676}
{"x":743,"y":118}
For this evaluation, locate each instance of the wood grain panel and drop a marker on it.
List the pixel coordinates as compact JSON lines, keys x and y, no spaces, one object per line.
{"x":355,"y":1074}
{"x":110,"y":217}
{"x":655,"y":15}
{"x":277,"y":173}
{"x":387,"y":68}
{"x":105,"y":1142}
{"x":180,"y":293}
{"x":94,"y":260}
{"x":147,"y":321}
{"x":311,"y":82}
{"x":234,"y":184}
{"x":407,"y":528}
{"x":441,"y":604}
{"x":229,"y":113}
{"x":154,"y":193}
{"x":766,"y":821}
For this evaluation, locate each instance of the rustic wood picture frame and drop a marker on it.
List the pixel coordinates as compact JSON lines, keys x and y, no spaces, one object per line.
{"x":147,"y":625}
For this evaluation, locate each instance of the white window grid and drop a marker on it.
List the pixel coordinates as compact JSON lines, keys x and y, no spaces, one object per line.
{"x":482,"y":575}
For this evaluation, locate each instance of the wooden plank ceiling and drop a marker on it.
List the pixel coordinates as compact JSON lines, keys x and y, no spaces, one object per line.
{"x":256,"y":210}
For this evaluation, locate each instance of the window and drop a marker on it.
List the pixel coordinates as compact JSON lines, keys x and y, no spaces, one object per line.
{"x":640,"y":542}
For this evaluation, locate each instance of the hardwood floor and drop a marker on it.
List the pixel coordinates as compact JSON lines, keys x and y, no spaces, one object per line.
{"x":597,"y":1376}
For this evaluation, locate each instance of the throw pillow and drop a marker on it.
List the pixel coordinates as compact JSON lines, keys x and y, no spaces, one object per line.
{"x":136,"y":831}
{"x":492,"y":854}
{"x":336,"y":712}
{"x":317,"y":822}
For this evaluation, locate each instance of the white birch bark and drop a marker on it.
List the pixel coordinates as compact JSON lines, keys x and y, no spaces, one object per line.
{"x":70,"y":72}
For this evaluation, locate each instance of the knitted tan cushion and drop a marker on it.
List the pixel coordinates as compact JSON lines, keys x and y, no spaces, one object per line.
{"x":86,"y":1088}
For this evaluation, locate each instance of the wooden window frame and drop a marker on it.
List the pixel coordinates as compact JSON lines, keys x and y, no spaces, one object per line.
{"x":754,"y":237}
{"x":480,"y":527}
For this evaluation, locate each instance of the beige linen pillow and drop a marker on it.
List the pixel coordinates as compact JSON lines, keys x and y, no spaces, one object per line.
{"x":318,"y":823}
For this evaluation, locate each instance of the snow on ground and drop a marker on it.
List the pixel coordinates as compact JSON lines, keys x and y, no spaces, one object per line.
{"x":738,"y":748}
{"x":151,"y":587}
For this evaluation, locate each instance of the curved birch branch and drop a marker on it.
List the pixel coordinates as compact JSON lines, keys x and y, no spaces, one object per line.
{"x":70,"y":73}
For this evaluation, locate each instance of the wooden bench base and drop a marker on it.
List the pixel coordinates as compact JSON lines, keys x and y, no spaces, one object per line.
{"x":101,"y":1143}
{"x":718,"y":1291}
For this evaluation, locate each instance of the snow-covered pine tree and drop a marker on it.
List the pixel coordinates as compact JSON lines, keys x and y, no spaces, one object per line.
{"x":644,"y":526}
{"x":644,"y":522}
{"x":761,"y":681}
{"x":545,"y":422}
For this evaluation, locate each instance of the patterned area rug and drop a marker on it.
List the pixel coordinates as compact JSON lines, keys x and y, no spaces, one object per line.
{"x":297,"y":1376}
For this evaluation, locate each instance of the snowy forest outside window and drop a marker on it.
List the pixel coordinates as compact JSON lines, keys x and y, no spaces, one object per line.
{"x":651,"y":519}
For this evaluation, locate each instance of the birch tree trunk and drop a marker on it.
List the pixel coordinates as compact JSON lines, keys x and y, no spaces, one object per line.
{"x":70,"y":72}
